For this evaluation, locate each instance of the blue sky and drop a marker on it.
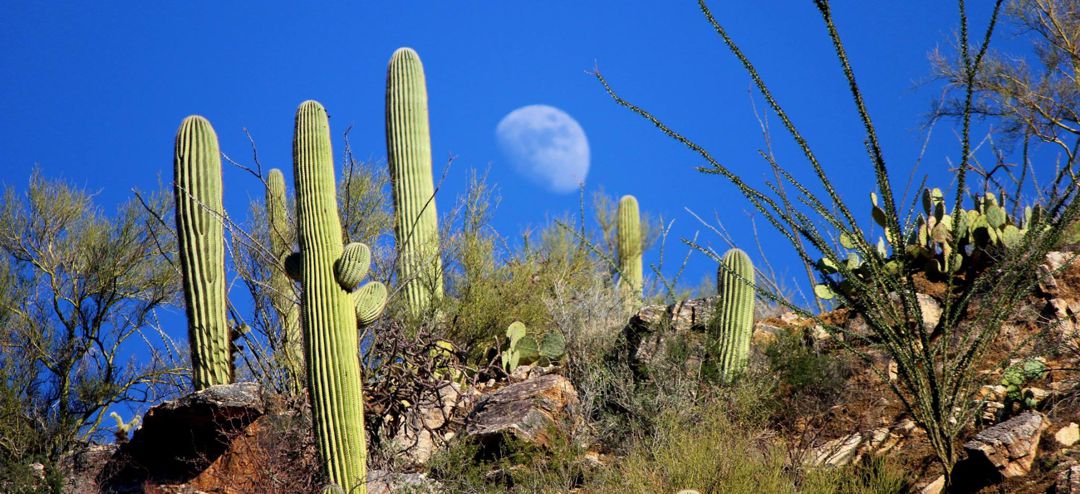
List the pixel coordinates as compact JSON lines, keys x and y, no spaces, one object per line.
{"x":94,"y":92}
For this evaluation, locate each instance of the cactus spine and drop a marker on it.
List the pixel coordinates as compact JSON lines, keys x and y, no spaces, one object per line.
{"x":329,"y":321}
{"x":201,"y":238}
{"x":735,"y":315}
{"x":281,"y":287}
{"x":408,"y":149}
{"x":630,"y":249}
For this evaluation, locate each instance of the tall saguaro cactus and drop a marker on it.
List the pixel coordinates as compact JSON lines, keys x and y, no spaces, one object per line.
{"x":201,"y":236}
{"x":408,"y":149}
{"x":291,"y":351}
{"x":734,"y":323}
{"x":630,"y":250}
{"x":329,"y":272}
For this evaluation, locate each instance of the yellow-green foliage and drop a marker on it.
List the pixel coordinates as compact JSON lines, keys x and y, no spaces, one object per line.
{"x":716,"y":448}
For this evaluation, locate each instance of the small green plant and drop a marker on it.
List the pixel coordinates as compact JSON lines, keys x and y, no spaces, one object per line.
{"x":1017,"y":376}
{"x":525,"y":348}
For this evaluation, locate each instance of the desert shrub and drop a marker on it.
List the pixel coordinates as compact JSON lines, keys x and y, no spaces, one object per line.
{"x":512,"y":465}
{"x":806,"y":378}
{"x":722,"y":445}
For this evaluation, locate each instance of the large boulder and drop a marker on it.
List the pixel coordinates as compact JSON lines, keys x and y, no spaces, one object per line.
{"x":181,"y":440}
{"x":529,"y":411}
{"x":1008,"y":448}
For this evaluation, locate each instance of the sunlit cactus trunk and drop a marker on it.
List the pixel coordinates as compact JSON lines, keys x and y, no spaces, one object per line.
{"x":408,"y":149}
{"x":201,"y":238}
{"x":291,"y":351}
{"x":734,"y":324}
{"x":328,"y":317}
{"x":630,"y":250}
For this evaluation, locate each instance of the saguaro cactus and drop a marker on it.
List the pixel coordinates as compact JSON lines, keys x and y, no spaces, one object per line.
{"x":734,"y":323}
{"x":408,"y":149}
{"x":291,"y":352}
{"x":201,"y":238}
{"x":630,"y":249}
{"x":329,"y":310}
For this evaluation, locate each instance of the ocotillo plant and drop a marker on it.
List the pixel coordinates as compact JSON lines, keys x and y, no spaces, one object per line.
{"x":630,"y":249}
{"x":408,"y":150}
{"x":201,"y":238}
{"x":329,"y":310}
{"x":734,"y":324}
{"x":291,"y":351}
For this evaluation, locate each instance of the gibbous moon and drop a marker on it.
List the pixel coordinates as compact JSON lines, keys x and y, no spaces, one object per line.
{"x":546,"y":145}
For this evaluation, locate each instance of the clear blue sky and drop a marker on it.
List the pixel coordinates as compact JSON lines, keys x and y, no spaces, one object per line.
{"x":94,"y":91}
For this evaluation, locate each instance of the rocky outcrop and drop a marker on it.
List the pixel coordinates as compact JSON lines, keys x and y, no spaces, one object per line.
{"x":181,"y":440}
{"x":529,"y":410}
{"x":420,"y":435}
{"x":851,"y":448}
{"x":1008,"y":448}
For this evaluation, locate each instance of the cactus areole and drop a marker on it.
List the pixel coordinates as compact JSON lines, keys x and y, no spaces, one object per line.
{"x":408,"y":150}
{"x":329,"y":321}
{"x":201,"y":238}
{"x":734,"y":324}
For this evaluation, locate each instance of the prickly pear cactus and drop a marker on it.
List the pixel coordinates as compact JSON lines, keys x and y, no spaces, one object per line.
{"x":329,"y":310}
{"x":408,"y":150}
{"x":281,"y":287}
{"x":734,"y":323}
{"x":630,"y":250}
{"x":201,"y":238}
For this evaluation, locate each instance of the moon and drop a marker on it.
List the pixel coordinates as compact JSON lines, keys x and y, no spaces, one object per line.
{"x":546,"y":145}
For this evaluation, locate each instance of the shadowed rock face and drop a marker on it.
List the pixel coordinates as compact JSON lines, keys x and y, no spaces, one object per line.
{"x":527,"y":411}
{"x":180,"y":439}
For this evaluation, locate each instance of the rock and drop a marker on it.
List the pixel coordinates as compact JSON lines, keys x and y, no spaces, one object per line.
{"x":929,"y":306}
{"x":851,"y":448}
{"x":934,"y":487}
{"x":383,"y":482}
{"x":660,"y":336}
{"x":1010,"y":446}
{"x":419,"y":436}
{"x":178,"y":440}
{"x":1068,"y":481}
{"x":82,"y":467}
{"x":692,"y":314}
{"x":527,"y":410}
{"x":1068,"y":435}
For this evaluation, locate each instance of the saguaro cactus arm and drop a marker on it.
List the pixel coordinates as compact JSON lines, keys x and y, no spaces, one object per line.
{"x":201,"y":238}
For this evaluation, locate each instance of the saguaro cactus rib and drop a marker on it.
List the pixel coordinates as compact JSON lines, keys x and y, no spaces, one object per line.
{"x":408,"y":149}
{"x":201,"y":239}
{"x":328,"y":315}
{"x":735,"y":315}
